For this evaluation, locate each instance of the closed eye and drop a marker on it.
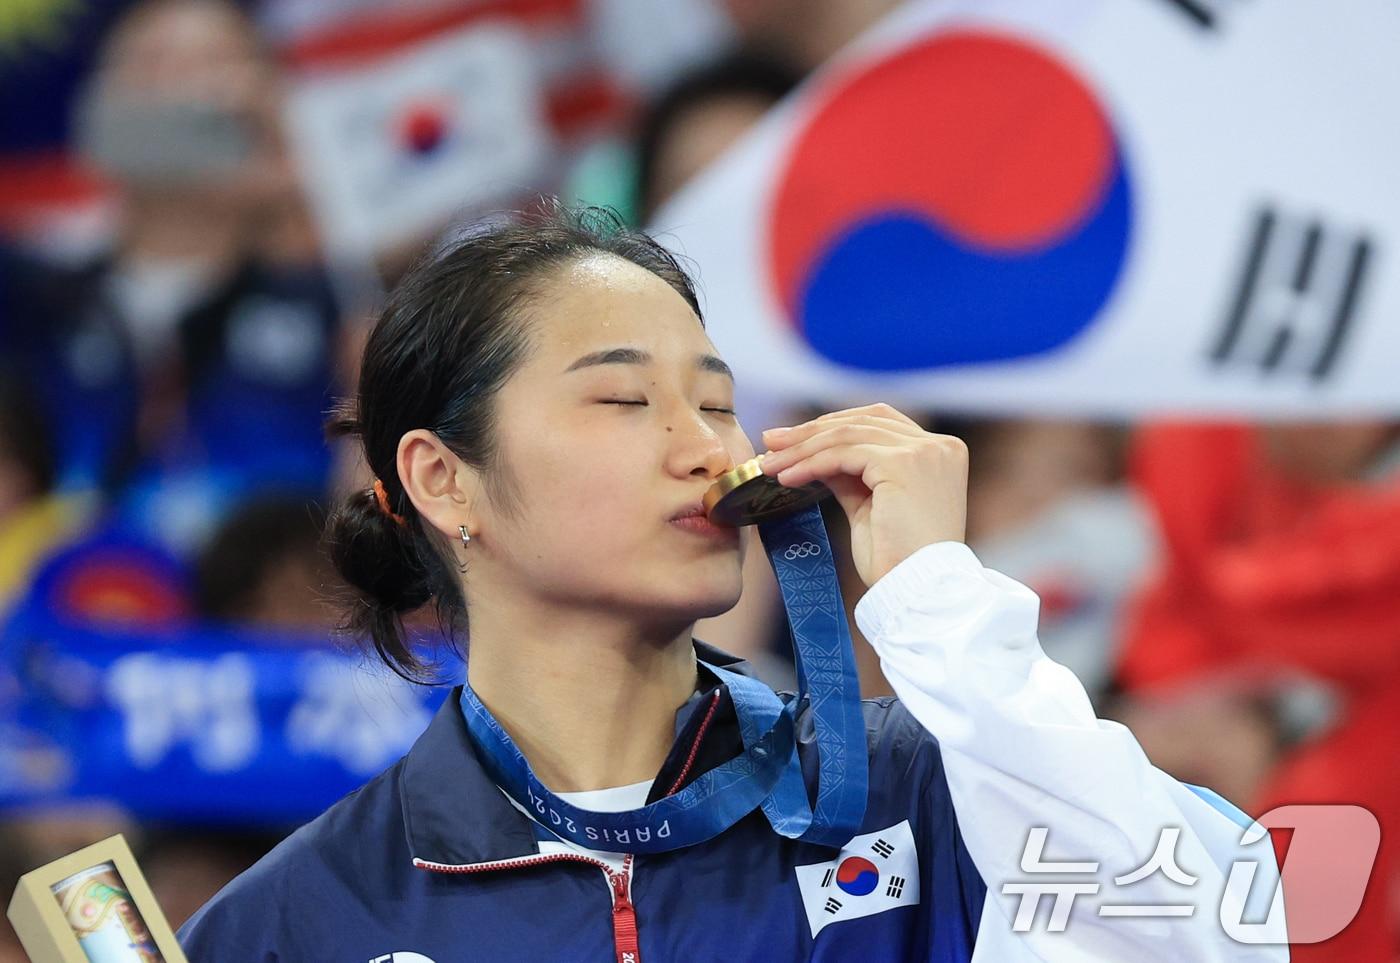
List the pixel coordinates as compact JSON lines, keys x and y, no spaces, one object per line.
{"x":643,"y":404}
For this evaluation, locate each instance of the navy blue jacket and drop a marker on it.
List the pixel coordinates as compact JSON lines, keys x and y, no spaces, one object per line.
{"x":430,"y":862}
{"x":430,"y":858}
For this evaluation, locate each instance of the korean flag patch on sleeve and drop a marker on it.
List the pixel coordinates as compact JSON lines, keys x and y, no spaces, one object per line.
{"x":873,"y":873}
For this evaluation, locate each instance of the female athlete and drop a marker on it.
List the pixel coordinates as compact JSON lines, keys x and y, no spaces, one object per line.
{"x":544,"y":413}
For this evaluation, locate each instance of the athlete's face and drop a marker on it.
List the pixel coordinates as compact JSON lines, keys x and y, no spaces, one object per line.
{"x":619,"y":419}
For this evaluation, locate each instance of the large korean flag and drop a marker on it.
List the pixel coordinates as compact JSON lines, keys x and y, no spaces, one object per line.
{"x":1088,"y":207}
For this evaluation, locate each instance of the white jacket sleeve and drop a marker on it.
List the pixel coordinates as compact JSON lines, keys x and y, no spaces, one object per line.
{"x":1022,"y":749}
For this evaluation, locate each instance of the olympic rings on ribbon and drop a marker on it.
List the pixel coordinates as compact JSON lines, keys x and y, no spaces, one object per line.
{"x":804,"y":550}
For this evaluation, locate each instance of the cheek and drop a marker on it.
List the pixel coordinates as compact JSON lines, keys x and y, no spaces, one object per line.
{"x":581,"y":501}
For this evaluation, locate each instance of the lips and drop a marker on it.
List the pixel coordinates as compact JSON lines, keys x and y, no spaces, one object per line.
{"x":689,"y":511}
{"x":701,"y":525}
{"x":694,"y":518}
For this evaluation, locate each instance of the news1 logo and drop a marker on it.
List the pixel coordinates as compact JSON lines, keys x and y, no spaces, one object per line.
{"x":1324,"y":874}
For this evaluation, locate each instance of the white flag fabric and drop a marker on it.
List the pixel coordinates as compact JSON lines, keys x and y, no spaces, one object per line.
{"x":394,"y":149}
{"x":1079,"y":207}
{"x":873,"y":873}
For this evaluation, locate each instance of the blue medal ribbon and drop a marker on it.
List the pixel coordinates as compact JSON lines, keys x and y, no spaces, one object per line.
{"x":704,"y":808}
{"x":767,"y":773}
{"x":801,"y":556}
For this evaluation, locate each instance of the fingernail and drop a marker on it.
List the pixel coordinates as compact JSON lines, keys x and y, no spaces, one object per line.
{"x":776,"y":431}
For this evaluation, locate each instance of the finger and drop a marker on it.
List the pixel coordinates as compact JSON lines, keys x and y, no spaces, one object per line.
{"x":784,"y":437}
{"x":878,"y":410}
{"x":830,"y":464}
{"x":849,"y":433}
{"x":850,"y":492}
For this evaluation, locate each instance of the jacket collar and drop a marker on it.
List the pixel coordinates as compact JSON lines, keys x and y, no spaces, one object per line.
{"x":454,"y":814}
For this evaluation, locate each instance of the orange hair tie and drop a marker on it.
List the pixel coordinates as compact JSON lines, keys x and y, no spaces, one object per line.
{"x":382,"y":497}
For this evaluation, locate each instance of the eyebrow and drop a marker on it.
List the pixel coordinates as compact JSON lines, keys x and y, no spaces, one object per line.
{"x":703,"y":362}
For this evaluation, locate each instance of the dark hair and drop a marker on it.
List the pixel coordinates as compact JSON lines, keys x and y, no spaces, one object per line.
{"x":450,"y":336}
{"x":742,"y":73}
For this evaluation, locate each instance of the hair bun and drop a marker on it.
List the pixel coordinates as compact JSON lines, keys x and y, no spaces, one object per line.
{"x":378,"y":559}
{"x":376,"y":555}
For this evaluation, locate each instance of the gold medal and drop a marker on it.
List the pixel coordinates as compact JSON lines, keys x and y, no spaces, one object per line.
{"x":746,"y":496}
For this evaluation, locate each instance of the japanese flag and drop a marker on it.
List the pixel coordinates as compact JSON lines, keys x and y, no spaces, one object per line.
{"x":392,"y":150}
{"x":873,"y":873}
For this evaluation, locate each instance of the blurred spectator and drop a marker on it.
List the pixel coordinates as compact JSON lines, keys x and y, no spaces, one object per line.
{"x":701,"y":115}
{"x":805,"y":32}
{"x":1023,"y":467}
{"x":194,"y":359}
{"x":32,"y":518}
{"x":1048,"y":504}
{"x":265,"y":567}
{"x":1280,"y":558}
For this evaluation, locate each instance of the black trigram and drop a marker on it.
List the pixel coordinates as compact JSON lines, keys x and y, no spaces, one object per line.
{"x":1296,"y":297}
{"x":1203,"y":13}
{"x":826,"y":877}
{"x":896,"y":887}
{"x":882,"y":849}
{"x":832,"y":904}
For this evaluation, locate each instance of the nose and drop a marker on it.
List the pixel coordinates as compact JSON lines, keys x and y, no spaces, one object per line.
{"x":698,"y":450}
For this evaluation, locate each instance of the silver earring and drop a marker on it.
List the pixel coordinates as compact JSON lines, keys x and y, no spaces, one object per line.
{"x":465,"y":537}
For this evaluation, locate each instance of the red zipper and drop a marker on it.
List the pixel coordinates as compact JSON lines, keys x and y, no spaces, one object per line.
{"x":620,"y":883}
{"x":624,"y":915}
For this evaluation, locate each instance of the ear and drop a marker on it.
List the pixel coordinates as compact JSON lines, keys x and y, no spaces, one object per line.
{"x":441,"y":486}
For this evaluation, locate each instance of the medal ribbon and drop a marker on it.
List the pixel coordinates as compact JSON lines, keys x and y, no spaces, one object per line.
{"x":801,"y":556}
{"x":767,"y":773}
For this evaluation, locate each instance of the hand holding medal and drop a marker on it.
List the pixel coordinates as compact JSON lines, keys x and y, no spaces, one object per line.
{"x":901,"y":487}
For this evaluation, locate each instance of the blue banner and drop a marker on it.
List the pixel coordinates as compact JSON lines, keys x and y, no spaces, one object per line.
{"x":202,"y":724}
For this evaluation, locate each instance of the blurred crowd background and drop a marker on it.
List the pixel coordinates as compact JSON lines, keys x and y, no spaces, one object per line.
{"x":175,"y":322}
